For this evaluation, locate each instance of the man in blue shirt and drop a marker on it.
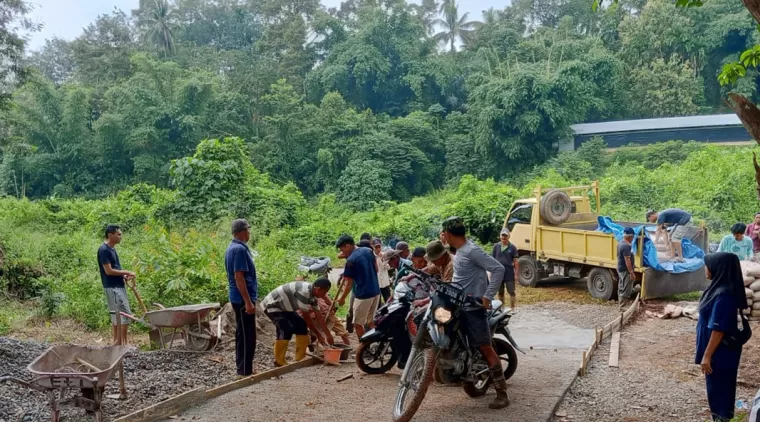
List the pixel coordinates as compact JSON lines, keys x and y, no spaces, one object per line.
{"x":360,"y":276}
{"x":680,"y":220}
{"x":241,"y":277}
{"x":113,"y":278}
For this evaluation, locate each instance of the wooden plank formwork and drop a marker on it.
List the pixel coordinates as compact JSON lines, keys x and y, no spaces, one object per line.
{"x":613,"y":326}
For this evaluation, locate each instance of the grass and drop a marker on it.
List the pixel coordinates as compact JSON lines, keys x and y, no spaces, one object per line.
{"x":13,"y":315}
{"x":684,"y":297}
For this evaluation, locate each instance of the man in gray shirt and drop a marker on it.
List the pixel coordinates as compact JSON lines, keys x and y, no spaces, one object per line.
{"x":471,"y":265}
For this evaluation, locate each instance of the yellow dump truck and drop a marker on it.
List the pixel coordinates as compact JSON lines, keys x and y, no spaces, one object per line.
{"x":556,"y":234}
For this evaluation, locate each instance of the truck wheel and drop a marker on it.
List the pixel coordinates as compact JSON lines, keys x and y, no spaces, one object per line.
{"x":601,"y":284}
{"x":556,"y":207}
{"x":528,"y":276}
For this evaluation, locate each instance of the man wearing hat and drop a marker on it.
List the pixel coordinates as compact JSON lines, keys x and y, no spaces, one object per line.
{"x":471,"y":268}
{"x":243,"y":285}
{"x":393,"y":258}
{"x":506,"y":253}
{"x":403,"y":249}
{"x":441,"y":261}
{"x":625,"y":267}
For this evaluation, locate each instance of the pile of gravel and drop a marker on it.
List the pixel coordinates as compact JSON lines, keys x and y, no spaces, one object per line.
{"x":151,"y":377}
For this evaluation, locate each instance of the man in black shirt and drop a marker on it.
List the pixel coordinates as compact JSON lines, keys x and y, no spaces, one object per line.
{"x":626,"y":276}
{"x":113,"y":278}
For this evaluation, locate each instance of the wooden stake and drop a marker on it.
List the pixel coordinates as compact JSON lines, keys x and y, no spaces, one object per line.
{"x":615,"y":350}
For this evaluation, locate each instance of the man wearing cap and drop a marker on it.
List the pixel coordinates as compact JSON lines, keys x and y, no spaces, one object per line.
{"x":402,"y":266}
{"x":625,"y":267}
{"x":506,"y":253}
{"x":243,"y":285}
{"x":471,"y":268}
{"x":360,"y":276}
{"x":441,"y":261}
{"x":403,"y":249}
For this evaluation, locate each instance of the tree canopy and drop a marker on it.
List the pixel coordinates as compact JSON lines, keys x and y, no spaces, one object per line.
{"x":376,"y":100}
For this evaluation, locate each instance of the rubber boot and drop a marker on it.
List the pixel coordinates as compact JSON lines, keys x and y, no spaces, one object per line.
{"x":302,"y":342}
{"x":280,"y":349}
{"x":500,"y":385}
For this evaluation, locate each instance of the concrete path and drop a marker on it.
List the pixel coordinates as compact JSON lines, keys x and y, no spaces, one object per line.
{"x":543,"y":376}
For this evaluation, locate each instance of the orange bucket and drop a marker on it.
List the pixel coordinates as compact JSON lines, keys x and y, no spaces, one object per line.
{"x":333,"y":355}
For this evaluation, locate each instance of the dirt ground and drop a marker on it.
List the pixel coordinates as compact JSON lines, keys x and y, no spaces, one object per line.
{"x":656,"y":379}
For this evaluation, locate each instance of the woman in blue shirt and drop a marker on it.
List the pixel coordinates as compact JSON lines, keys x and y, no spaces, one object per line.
{"x":718,"y":309}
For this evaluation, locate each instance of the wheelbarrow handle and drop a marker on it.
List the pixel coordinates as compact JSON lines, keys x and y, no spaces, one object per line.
{"x":23,"y":383}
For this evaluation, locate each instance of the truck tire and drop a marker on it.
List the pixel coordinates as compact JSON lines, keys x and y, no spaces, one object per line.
{"x":601,"y":284}
{"x":556,"y":207}
{"x":528,"y":276}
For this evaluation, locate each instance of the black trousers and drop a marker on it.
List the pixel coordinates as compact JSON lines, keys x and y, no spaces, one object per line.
{"x":245,"y":340}
{"x":287,"y":324}
{"x":385,"y":292}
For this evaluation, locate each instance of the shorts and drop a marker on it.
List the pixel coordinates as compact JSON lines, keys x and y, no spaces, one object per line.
{"x":364,"y":310}
{"x":681,"y":232}
{"x":118,"y":301}
{"x":474,"y":323}
{"x":510,"y":285}
{"x":287,"y":324}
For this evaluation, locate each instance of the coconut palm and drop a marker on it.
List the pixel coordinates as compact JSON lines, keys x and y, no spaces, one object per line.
{"x":159,"y":20}
{"x":454,"y":27}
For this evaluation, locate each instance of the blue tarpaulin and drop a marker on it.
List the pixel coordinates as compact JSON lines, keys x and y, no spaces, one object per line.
{"x":694,"y":256}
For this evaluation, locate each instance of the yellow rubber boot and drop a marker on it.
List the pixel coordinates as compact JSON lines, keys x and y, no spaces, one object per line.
{"x":302,"y":342}
{"x":280,"y":349}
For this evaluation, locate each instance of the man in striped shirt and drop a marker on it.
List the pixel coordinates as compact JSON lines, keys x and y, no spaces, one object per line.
{"x":281,"y":304}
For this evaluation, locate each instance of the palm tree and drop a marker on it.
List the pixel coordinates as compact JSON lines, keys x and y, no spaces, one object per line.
{"x":160,"y":22}
{"x":454,"y":27}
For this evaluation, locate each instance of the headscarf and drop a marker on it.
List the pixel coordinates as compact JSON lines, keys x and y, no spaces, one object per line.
{"x":726,"y":279}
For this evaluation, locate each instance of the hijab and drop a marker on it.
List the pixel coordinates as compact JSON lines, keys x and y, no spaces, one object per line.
{"x":726,"y":279}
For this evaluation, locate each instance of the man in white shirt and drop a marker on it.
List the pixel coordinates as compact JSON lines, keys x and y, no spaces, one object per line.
{"x":382,"y":270}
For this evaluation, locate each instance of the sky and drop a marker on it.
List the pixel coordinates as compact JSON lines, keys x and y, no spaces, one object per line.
{"x":66,"y":18}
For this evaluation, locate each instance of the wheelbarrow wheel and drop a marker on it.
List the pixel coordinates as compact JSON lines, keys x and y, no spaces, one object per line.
{"x":200,"y":344}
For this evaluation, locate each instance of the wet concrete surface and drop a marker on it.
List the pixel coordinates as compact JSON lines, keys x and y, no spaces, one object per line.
{"x":543,"y":375}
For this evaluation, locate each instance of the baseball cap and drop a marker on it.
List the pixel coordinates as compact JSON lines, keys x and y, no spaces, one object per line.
{"x":629,"y":231}
{"x":434,"y":250}
{"x":240,"y":225}
{"x":505,"y":231}
{"x":402,"y":246}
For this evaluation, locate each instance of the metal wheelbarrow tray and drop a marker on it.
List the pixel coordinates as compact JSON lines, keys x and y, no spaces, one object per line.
{"x":65,"y":367}
{"x":190,"y":320}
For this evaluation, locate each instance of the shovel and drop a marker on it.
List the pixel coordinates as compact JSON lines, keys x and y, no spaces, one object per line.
{"x":155,"y":335}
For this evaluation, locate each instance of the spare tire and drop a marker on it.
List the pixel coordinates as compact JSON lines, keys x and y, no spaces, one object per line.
{"x":556,"y":207}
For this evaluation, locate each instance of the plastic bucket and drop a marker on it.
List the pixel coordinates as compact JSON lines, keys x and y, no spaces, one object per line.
{"x":333,"y":355}
{"x":345,"y":350}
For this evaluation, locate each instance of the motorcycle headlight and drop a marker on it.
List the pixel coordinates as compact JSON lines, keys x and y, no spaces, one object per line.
{"x":442,"y":315}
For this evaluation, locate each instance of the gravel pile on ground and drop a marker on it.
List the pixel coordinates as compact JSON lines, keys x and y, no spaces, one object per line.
{"x":581,"y":315}
{"x":151,"y":377}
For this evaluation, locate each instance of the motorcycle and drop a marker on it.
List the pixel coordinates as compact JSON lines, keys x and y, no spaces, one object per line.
{"x":440,"y":346}
{"x":390,"y":341}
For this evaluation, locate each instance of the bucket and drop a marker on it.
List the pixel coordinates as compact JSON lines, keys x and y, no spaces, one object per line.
{"x":345,"y":350}
{"x":333,"y":355}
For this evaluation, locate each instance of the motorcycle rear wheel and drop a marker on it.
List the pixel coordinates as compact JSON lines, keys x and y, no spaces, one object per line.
{"x":508,"y":362}
{"x":367,"y":356}
{"x":420,"y":376}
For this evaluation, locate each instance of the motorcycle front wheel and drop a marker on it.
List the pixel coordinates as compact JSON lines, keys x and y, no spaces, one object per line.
{"x":412,"y":390}
{"x":377,"y":357}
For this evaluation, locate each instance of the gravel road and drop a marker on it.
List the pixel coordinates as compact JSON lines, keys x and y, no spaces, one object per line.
{"x":656,"y":379}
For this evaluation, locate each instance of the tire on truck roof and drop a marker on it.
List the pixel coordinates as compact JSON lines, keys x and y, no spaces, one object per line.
{"x":556,"y":207}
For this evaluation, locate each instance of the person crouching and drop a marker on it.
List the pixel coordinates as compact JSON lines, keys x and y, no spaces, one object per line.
{"x":281,"y":305}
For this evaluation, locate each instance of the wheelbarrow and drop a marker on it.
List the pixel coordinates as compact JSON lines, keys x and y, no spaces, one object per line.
{"x":69,"y":367}
{"x":190,"y":321}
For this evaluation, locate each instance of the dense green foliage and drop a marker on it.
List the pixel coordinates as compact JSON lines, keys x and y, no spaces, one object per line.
{"x":47,"y":247}
{"x":428,"y":94}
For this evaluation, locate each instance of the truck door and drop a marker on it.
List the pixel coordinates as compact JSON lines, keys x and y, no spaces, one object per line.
{"x":519,"y":223}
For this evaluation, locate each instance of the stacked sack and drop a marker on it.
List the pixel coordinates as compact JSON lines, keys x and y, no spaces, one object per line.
{"x":751,"y":272}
